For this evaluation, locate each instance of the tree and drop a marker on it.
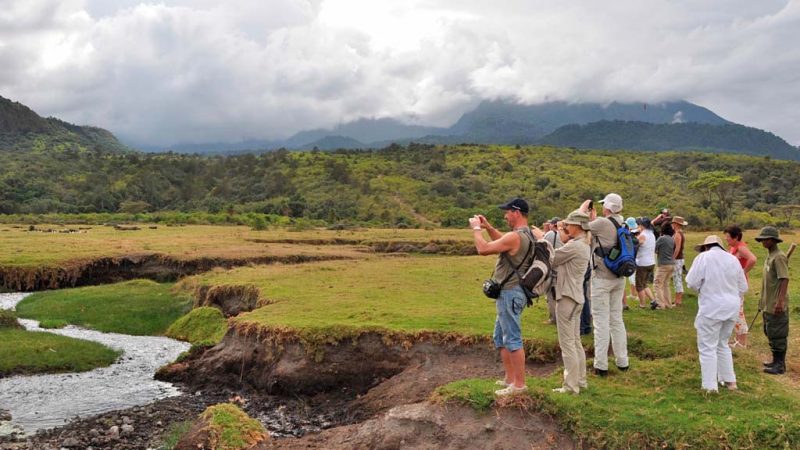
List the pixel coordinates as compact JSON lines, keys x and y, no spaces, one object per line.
{"x":719,"y":190}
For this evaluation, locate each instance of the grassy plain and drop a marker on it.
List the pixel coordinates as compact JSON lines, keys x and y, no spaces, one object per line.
{"x":21,"y":248}
{"x":139,"y":307}
{"x":657,"y":403}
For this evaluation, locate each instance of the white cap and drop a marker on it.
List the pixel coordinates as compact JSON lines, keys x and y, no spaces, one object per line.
{"x":612,"y":202}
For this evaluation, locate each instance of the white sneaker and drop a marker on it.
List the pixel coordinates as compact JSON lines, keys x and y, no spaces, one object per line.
{"x":502,"y":383}
{"x":511,"y":390}
{"x":563,"y":390}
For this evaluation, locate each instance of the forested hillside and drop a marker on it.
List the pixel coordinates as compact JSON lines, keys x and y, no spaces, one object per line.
{"x":22,"y":130}
{"x":399,"y":186}
{"x":677,"y":136}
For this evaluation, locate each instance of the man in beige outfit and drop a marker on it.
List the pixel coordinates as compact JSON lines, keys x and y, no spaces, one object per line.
{"x":571,"y":262}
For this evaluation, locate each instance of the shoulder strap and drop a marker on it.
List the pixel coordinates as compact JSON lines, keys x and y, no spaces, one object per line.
{"x":614,"y":221}
{"x":516,"y":269}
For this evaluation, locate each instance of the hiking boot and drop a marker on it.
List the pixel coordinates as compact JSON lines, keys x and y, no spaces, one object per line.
{"x":778,"y":366}
{"x":600,"y":372}
{"x":777,"y":369}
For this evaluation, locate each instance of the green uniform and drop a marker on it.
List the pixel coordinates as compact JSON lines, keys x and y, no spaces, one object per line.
{"x":776,"y":327}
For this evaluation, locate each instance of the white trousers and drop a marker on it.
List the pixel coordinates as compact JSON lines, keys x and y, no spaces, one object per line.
{"x":607,"y":321}
{"x":716,"y":361}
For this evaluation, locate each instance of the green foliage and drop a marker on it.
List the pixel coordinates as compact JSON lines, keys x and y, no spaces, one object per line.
{"x":29,"y":352}
{"x":719,"y":190}
{"x":201,"y":326}
{"x":399,"y":186}
{"x":139,"y":307}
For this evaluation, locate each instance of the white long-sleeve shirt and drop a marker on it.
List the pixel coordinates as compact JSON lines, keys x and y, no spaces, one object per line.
{"x":719,"y":280}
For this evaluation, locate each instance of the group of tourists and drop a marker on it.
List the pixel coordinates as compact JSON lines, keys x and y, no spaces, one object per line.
{"x":587,"y":294}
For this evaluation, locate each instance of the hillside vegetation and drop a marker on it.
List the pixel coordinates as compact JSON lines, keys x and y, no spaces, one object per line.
{"x":675,"y":136}
{"x":398,"y":186}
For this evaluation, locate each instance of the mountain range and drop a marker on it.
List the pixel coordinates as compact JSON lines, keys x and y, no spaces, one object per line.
{"x":678,"y":125}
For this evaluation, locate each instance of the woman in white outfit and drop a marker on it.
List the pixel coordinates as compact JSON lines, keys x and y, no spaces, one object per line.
{"x":719,"y":280}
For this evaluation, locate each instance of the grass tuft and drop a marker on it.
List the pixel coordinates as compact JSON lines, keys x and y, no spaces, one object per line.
{"x":201,"y":326}
{"x":8,"y":319}
{"x":230,"y":428}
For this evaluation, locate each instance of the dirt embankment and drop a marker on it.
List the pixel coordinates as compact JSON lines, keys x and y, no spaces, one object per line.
{"x":393,"y":379}
{"x":434,"y":247}
{"x":120,"y":268}
{"x":279,"y":361}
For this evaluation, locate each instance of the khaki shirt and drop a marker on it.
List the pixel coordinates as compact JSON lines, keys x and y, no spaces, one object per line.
{"x":571,"y":262}
{"x":776,"y":268}
{"x":606,"y":232}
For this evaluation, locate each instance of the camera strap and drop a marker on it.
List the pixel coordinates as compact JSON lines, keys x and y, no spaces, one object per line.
{"x":527,"y":256}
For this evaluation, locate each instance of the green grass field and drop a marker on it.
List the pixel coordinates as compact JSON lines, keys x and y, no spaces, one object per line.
{"x":657,"y":403}
{"x":139,"y":307}
{"x":21,"y":248}
{"x":30,"y":352}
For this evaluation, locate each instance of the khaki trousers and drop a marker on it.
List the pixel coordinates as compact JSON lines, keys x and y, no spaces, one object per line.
{"x":568,"y":318}
{"x":661,"y":285}
{"x":608,"y":323}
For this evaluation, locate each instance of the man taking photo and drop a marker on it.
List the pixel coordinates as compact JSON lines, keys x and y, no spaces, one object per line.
{"x":512,"y":249}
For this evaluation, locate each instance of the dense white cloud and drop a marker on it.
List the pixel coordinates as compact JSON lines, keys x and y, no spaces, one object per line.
{"x":198,"y":71}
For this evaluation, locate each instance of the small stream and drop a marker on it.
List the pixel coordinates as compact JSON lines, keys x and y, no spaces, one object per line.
{"x":47,"y":401}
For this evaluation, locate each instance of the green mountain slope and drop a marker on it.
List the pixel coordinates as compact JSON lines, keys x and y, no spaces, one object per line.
{"x":679,"y":136}
{"x":23,"y":130}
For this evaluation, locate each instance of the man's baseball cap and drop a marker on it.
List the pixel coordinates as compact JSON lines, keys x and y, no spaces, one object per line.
{"x":612,"y":202}
{"x":517,"y":204}
{"x":555,"y":220}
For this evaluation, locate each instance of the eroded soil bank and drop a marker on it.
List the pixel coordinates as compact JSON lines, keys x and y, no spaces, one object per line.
{"x":371,"y":391}
{"x":435,"y":246}
{"x":109,"y":270}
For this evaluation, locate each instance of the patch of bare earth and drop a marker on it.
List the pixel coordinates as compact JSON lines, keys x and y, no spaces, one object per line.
{"x":393,"y":382}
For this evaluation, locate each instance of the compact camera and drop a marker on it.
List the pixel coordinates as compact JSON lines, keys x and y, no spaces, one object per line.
{"x":491,"y":288}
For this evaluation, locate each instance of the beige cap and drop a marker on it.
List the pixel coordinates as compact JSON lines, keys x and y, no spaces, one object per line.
{"x":710,"y":240}
{"x":612,"y":202}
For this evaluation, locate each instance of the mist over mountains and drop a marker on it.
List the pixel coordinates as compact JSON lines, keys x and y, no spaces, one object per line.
{"x":678,"y":125}
{"x":664,"y":126}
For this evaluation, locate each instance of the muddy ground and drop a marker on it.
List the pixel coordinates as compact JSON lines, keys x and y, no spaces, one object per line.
{"x":379,"y":411}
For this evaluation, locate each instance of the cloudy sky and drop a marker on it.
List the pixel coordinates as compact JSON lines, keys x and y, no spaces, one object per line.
{"x":207,"y":71}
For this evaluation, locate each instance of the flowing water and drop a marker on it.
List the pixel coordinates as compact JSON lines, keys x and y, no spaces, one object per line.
{"x":47,"y":401}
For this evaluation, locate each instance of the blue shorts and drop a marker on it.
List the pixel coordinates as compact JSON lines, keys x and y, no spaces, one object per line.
{"x":507,"y":331}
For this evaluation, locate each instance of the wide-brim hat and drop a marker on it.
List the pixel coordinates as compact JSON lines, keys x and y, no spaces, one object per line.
{"x":710,"y":240}
{"x":578,"y":217}
{"x":680,"y":220}
{"x":769,"y":232}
